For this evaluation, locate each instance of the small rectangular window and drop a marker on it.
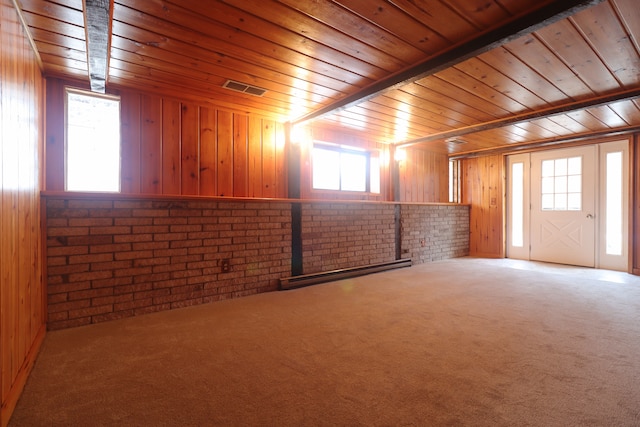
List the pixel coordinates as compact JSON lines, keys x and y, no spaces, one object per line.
{"x":345,"y":169}
{"x":92,"y":150}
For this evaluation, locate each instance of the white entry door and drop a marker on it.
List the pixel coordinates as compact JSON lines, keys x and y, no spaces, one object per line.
{"x":563,"y":206}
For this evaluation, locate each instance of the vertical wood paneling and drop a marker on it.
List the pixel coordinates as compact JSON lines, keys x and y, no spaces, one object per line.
{"x":171,"y":161}
{"x":22,"y":305}
{"x":424,"y":177}
{"x":634,"y":240}
{"x":55,"y":136}
{"x":189,"y":145}
{"x":151,"y":145}
{"x":255,"y":157}
{"x":225,"y":153}
{"x":240,"y":150}
{"x":130,"y":143}
{"x":282,"y":178}
{"x":482,"y":188}
{"x":268,"y":158}
{"x":208,"y":132}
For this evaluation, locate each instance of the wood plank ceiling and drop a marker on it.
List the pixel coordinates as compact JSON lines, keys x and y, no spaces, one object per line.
{"x":422,"y":72}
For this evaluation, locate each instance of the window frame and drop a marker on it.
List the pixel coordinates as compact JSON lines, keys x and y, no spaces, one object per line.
{"x":367,"y":154}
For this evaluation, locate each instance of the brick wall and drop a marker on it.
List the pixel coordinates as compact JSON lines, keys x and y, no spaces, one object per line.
{"x":434,"y":232}
{"x":341,"y":235}
{"x":108,"y":259}
{"x":113,"y":257}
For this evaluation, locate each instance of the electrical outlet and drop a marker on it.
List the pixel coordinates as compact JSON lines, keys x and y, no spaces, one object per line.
{"x":225,"y":265}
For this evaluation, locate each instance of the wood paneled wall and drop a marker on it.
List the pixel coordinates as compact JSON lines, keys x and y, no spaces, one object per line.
{"x":483,"y":189}
{"x":634,"y":240}
{"x":179,"y":147}
{"x":424,"y":176}
{"x":22,"y":299}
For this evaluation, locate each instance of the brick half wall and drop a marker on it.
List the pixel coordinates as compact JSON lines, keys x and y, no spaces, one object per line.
{"x":108,"y":259}
{"x":114,"y":257}
{"x":434,"y":232}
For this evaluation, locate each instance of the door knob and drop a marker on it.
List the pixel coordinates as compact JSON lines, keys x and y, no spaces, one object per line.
{"x":590,"y":216}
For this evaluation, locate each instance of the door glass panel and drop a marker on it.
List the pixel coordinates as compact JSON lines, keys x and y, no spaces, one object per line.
{"x":561,"y":184}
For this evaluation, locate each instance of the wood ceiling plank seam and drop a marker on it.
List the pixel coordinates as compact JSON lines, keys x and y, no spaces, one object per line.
{"x":443,"y":118}
{"x":211,"y":90}
{"x":351,"y":24}
{"x":53,"y":25}
{"x":587,"y":120}
{"x":627,"y":110}
{"x":55,"y":50}
{"x":440,"y":18}
{"x":199,"y":71}
{"x":464,"y":101}
{"x":417,"y":123}
{"x":503,"y":83}
{"x":58,"y":12}
{"x":608,"y":116}
{"x":404,"y":26}
{"x":628,"y":13}
{"x":568,"y":123}
{"x":502,"y":59}
{"x":482,"y":16}
{"x":441,"y":104}
{"x":260,"y":80}
{"x":199,"y":55}
{"x":223,"y":49}
{"x":176,"y":91}
{"x":536,"y":19}
{"x":533,"y":52}
{"x":243,"y":22}
{"x":65,"y":62}
{"x":297,"y":21}
{"x":40,"y":35}
{"x":480,"y":89}
{"x":623,"y":59}
{"x":571,"y":47}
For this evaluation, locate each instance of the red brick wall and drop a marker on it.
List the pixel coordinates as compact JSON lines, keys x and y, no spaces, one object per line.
{"x":109,"y":259}
{"x":341,"y":235}
{"x":434,"y":232}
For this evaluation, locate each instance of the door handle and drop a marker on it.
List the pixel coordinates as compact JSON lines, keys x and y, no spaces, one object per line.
{"x":590,"y":216}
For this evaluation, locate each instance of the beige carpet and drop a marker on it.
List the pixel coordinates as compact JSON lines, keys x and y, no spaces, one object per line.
{"x":468,"y":342}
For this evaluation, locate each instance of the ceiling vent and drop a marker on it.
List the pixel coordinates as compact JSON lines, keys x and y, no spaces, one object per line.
{"x":456,"y":141}
{"x":244,"y":88}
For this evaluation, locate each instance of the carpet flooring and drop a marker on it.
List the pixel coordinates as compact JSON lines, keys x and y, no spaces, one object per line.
{"x":463,"y":342}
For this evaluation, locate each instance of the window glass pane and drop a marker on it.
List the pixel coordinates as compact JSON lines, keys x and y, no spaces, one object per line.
{"x":560,"y":202}
{"x":574,"y":184}
{"x":574,"y":201}
{"x":353,"y":171}
{"x":560,"y":185}
{"x":547,"y":202}
{"x":614,"y":188}
{"x":93,"y":143}
{"x":547,"y":168}
{"x":560,"y":167}
{"x":374,"y":174}
{"x":517,"y":205}
{"x":574,"y":166}
{"x":326,"y":169}
{"x":547,"y":185}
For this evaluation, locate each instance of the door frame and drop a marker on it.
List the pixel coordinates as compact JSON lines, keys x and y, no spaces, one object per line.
{"x":601,"y":261}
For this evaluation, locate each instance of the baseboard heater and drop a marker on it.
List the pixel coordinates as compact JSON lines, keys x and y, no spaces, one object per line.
{"x":344,"y":273}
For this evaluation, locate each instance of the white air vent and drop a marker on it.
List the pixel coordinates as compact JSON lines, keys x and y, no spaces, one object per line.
{"x":456,"y":141}
{"x":245,"y":88}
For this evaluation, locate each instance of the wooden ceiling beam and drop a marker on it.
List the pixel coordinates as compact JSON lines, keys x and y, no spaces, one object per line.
{"x":525,"y":117}
{"x":526,"y":24}
{"x":97,"y":23}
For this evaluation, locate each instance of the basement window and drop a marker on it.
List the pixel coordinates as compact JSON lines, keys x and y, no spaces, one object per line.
{"x":92,"y":146}
{"x":341,"y":168}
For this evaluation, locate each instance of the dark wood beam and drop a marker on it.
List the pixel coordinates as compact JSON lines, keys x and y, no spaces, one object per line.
{"x":540,"y":18}
{"x":525,"y":117}
{"x":97,"y":23}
